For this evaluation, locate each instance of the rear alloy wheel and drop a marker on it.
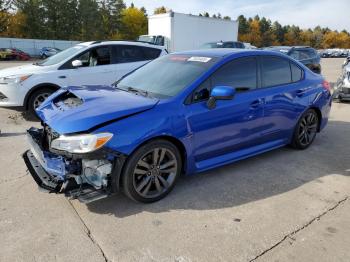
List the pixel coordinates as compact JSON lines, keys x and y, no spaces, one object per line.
{"x":37,"y":98}
{"x":151,"y":172}
{"x":306,"y":130}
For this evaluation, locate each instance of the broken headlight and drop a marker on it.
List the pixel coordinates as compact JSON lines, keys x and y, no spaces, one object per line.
{"x":81,"y":143}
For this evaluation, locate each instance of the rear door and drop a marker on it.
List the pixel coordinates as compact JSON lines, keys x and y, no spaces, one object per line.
{"x":130,"y":57}
{"x":285,"y":96}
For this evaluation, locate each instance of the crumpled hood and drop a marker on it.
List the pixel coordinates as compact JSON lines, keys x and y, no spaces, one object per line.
{"x":23,"y":70}
{"x":79,"y":109}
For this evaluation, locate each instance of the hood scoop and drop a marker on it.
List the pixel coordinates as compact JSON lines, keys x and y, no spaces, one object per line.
{"x":67,"y":100}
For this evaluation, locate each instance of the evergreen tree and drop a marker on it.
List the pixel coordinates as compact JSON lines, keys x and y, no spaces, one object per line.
{"x":278,"y":31}
{"x":90,"y":21}
{"x":111,"y":15}
{"x":243,"y":25}
{"x":61,"y":18}
{"x":34,"y":25}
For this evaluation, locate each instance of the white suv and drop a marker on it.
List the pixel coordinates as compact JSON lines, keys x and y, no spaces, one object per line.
{"x":90,"y":63}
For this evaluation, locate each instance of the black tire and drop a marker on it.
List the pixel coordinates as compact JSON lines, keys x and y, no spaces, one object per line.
{"x":306,"y":130}
{"x":141,"y":175}
{"x":38,"y":95}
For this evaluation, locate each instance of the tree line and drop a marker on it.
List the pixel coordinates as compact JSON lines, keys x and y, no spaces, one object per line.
{"x":81,"y":20}
{"x":85,"y":20}
{"x":263,"y":32}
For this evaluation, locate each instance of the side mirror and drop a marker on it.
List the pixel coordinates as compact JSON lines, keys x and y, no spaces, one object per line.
{"x":220,"y":93}
{"x":77,"y":63}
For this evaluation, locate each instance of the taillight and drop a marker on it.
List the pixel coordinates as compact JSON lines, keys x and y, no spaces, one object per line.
{"x":326,"y":85}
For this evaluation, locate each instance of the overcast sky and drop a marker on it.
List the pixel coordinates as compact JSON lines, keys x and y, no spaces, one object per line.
{"x":334,"y":14}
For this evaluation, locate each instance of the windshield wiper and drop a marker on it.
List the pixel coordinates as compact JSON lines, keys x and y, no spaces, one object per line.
{"x":138,"y":91}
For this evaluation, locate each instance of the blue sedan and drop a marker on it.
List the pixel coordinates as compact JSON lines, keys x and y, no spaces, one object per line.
{"x":185,"y":113}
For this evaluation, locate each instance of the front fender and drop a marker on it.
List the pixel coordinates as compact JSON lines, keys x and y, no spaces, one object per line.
{"x":162,"y":120}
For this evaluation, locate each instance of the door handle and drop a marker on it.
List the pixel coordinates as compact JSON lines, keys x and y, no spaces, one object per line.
{"x":62,"y":77}
{"x":257,"y":103}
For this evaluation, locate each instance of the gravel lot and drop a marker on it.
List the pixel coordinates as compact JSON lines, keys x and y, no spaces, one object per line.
{"x":284,"y":205}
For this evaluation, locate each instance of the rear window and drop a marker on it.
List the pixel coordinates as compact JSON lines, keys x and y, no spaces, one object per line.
{"x":275,"y":71}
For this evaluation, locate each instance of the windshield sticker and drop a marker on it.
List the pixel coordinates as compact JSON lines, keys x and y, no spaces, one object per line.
{"x":199,"y":59}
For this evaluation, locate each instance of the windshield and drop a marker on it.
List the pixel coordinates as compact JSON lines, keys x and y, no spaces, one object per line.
{"x":166,"y":76}
{"x":61,"y":56}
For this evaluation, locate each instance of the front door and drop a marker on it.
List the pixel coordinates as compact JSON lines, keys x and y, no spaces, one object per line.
{"x":233,"y":124}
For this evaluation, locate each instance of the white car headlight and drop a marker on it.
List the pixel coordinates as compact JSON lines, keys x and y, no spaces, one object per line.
{"x":15,"y":79}
{"x":81,"y":143}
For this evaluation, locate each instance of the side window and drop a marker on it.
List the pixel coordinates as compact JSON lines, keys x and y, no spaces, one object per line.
{"x":95,"y":57}
{"x":240,"y":73}
{"x":275,"y":71}
{"x":129,"y":54}
{"x":151,"y":53}
{"x":297,"y":73}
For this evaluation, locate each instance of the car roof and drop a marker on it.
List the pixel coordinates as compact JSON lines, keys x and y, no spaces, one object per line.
{"x":120,"y":42}
{"x":225,"y":52}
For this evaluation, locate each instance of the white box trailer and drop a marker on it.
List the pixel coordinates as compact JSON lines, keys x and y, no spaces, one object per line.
{"x":181,"y":32}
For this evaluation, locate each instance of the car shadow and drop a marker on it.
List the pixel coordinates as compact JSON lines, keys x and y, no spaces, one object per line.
{"x":253,"y":179}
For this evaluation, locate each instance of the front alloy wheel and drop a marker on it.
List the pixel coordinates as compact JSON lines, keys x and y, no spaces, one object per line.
{"x":151,"y":171}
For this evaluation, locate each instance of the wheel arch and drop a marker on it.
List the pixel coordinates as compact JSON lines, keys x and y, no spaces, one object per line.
{"x":179,"y":145}
{"x":54,"y":87}
{"x":175,"y":141}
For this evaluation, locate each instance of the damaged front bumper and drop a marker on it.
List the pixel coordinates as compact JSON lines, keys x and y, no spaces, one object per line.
{"x":86,"y":177}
